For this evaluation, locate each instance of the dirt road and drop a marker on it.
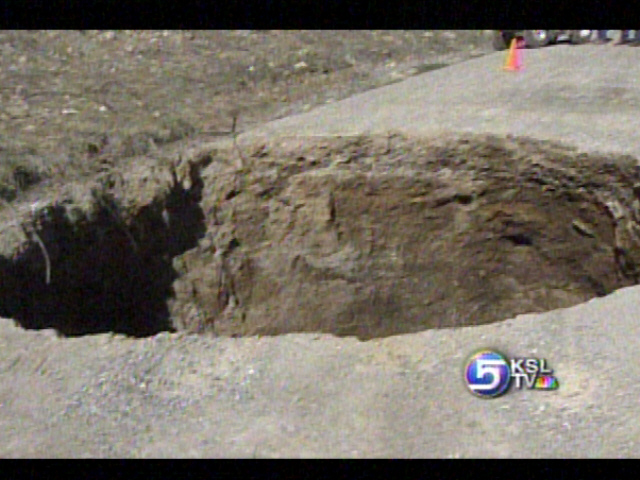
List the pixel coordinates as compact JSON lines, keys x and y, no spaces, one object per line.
{"x":580,"y":95}
{"x":177,"y":395}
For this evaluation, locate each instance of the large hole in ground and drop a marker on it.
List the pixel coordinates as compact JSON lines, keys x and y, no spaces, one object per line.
{"x":374,"y":237}
{"x":107,"y":273}
{"x":367,"y":237}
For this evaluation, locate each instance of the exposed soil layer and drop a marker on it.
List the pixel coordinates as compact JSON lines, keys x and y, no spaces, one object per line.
{"x":366,"y":236}
{"x":373,"y":237}
{"x":97,"y":261}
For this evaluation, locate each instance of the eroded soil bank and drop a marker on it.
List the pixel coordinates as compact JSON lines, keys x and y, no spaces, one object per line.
{"x":366,"y":236}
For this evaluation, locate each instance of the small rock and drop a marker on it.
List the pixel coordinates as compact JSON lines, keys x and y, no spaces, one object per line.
{"x":582,"y":228}
{"x":18,"y":111}
{"x":300,"y":66}
{"x":342,"y":159}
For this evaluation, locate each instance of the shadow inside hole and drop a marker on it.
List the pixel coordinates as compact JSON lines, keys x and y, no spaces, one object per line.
{"x":106,"y":276}
{"x":519,"y":239}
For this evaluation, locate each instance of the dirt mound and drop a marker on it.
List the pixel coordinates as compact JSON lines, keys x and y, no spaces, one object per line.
{"x":366,"y":236}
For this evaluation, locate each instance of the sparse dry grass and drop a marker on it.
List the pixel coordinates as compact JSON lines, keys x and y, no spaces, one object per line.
{"x":68,"y":98}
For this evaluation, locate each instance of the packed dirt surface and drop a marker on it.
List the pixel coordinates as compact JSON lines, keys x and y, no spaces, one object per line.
{"x":587,"y":96}
{"x":365,"y":236}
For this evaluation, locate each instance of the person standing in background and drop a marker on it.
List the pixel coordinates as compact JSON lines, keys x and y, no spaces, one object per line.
{"x":601,"y":37}
{"x":624,"y":38}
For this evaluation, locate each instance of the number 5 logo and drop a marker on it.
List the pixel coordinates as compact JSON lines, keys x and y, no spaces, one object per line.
{"x":488,"y":374}
{"x":491,"y":367}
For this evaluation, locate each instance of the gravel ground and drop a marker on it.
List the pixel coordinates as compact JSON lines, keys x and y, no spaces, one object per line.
{"x":319,"y":396}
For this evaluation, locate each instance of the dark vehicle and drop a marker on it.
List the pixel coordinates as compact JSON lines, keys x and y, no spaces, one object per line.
{"x":539,"y":38}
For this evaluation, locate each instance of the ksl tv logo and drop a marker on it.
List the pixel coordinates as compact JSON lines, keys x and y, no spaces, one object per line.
{"x":489,"y":374}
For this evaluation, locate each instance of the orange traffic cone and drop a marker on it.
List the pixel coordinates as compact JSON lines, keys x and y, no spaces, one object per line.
{"x":513,"y":63}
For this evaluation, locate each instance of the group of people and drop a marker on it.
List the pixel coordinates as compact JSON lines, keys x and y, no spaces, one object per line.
{"x":625,"y":38}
